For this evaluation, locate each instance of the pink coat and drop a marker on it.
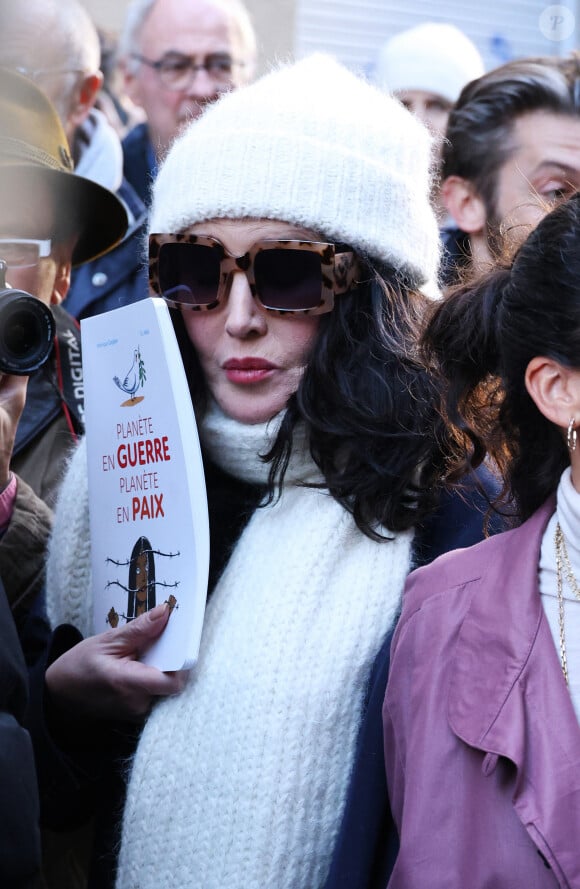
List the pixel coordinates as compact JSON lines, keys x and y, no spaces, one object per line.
{"x":482,"y":745}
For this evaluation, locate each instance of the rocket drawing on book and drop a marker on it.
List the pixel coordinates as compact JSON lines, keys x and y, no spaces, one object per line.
{"x":141,"y":585}
{"x":147,"y":499}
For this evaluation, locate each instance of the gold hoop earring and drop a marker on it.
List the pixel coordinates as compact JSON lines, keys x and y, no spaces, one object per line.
{"x":572,"y":436}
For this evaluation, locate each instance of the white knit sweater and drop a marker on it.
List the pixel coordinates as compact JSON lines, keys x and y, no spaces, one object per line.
{"x":240,"y":781}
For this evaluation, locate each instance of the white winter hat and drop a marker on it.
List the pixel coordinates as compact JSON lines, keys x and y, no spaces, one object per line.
{"x":313,"y":145}
{"x":433,"y":57}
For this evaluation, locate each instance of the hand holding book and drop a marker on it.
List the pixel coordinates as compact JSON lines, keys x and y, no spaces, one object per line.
{"x":103,"y":678}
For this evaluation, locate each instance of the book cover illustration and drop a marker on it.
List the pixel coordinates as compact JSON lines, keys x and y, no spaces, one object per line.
{"x":147,"y":498}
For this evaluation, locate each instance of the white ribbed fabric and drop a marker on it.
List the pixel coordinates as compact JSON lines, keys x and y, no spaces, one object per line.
{"x":240,"y":781}
{"x":68,"y":567}
{"x":314,"y":145}
{"x":568,"y":515}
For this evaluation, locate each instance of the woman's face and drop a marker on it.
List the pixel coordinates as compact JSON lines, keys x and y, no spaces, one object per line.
{"x":252,"y":359}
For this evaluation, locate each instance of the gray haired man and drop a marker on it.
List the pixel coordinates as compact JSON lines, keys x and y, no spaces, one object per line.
{"x":178,"y":56}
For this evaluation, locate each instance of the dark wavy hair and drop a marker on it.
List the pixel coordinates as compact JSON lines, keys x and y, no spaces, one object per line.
{"x":368,"y":405}
{"x":480,"y":340}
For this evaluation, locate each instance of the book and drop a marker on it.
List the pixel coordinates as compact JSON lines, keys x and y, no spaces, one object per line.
{"x":147,"y":498}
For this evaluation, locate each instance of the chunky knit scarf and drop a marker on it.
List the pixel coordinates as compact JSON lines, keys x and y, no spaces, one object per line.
{"x":240,"y":781}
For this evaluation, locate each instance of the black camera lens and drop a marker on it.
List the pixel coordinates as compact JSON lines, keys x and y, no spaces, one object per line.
{"x":27,"y":332}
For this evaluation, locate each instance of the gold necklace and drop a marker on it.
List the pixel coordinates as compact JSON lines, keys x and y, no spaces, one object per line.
{"x":563,"y":561}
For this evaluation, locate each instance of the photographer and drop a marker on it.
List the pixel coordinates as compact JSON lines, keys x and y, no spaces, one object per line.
{"x":50,"y":219}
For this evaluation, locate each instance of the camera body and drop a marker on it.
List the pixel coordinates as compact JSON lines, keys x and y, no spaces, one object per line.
{"x":27,"y":330}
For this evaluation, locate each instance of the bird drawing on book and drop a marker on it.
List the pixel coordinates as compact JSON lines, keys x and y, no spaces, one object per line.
{"x":134,"y":378}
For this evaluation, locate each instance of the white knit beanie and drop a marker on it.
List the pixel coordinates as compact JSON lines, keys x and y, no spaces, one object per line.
{"x":433,"y":57}
{"x":313,"y":145}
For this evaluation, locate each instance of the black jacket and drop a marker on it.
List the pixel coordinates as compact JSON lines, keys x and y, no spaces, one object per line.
{"x":455,"y":255}
{"x":20,"y":854}
{"x":139,"y":166}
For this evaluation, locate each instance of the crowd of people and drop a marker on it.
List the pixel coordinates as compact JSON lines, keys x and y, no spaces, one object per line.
{"x":373,"y":285}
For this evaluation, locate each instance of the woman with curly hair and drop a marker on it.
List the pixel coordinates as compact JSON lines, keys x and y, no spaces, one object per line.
{"x":291,"y":233}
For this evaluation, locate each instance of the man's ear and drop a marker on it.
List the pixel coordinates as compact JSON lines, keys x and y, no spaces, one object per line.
{"x":62,"y":256}
{"x":131,"y":82}
{"x":554,"y":389}
{"x":86,"y":97}
{"x":464,"y":204}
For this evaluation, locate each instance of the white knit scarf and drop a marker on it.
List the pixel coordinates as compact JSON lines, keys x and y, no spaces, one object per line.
{"x":240,"y":781}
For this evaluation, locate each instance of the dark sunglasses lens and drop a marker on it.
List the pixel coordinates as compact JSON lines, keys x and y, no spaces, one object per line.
{"x":288,"y":280}
{"x":189,"y":273}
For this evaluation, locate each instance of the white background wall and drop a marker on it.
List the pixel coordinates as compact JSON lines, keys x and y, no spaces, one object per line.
{"x":501,"y":29}
{"x":354,"y":29}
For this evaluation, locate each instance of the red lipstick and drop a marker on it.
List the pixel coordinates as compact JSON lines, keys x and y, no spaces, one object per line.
{"x":248,"y":371}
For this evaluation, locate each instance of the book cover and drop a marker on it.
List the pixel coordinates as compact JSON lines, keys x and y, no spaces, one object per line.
{"x":147,"y":498}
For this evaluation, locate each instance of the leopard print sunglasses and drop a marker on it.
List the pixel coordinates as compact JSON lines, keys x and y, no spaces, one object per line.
{"x":195,"y":272}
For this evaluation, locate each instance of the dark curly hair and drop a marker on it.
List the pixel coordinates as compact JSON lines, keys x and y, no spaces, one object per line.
{"x":480,"y":340}
{"x":368,"y":405}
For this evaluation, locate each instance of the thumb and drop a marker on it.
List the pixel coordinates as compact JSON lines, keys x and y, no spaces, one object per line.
{"x":139,"y":632}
